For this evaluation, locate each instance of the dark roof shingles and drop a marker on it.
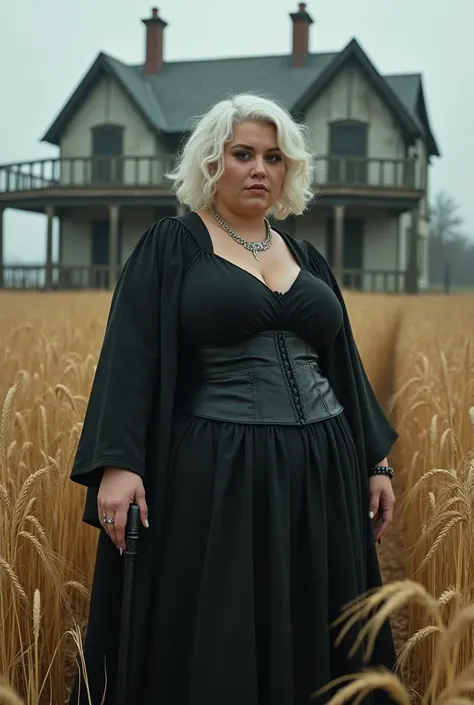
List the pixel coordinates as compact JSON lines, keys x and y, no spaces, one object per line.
{"x":189,"y":88}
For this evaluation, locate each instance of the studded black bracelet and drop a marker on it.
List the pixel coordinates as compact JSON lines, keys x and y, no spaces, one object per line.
{"x":381,"y":470}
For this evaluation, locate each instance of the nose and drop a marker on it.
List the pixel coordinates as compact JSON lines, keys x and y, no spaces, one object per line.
{"x":259,"y":168}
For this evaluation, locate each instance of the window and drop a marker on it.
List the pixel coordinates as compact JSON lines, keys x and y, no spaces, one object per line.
{"x":348,"y":153}
{"x":107,"y":154}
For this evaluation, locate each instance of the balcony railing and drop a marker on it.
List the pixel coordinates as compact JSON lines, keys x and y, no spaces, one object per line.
{"x":142,"y":172}
{"x":85,"y":172}
{"x":67,"y":278}
{"x":362,"y":172}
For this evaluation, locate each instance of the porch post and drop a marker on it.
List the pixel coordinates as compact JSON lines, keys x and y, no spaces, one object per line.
{"x":411,"y":274}
{"x":114,"y":212}
{"x":339,"y":242}
{"x":49,"y":248}
{"x":2,"y":249}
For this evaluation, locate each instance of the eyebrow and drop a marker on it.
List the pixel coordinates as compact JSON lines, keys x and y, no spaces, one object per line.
{"x":247,"y":146}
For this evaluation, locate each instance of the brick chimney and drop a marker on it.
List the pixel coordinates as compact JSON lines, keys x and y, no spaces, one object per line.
{"x":154,"y":42}
{"x":301,"y":22}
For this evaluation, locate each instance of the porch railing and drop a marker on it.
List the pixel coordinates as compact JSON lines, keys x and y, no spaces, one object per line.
{"x":360,"y":172}
{"x":88,"y":172}
{"x":67,"y":278}
{"x":383,"y":280}
{"x":63,"y":278}
{"x":141,"y":171}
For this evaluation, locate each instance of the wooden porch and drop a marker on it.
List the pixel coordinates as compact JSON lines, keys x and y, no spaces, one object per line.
{"x":114,"y":182}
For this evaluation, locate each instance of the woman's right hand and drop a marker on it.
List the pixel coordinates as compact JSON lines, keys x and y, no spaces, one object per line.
{"x":118,"y":490}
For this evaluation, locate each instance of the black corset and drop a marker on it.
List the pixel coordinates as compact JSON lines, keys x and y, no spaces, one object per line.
{"x":271,"y":378}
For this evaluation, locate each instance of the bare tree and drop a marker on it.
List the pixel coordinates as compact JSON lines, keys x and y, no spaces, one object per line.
{"x":445,"y":218}
{"x":451,"y":253}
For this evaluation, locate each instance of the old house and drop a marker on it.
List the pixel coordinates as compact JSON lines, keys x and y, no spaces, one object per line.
{"x":118,"y":133}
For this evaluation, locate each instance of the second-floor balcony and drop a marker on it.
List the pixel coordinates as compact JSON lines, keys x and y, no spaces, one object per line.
{"x":67,"y":173}
{"x":26,"y":180}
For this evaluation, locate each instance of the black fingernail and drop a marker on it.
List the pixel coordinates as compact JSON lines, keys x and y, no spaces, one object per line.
{"x":379,"y":541}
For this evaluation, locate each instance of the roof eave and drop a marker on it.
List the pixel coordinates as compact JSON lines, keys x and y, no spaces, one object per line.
{"x":433,"y":149}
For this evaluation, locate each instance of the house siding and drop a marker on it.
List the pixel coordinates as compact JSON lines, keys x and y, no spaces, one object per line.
{"x":419,"y":151}
{"x":381,"y":240}
{"x":423,"y":245}
{"x":76,"y":232}
{"x":108,"y":104}
{"x":312,"y":227}
{"x":350,"y":97}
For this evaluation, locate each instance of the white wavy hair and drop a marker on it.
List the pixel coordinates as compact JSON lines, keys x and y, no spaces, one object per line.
{"x":195,"y":186}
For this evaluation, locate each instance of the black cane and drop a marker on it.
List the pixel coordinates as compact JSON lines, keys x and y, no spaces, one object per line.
{"x":132,"y":534}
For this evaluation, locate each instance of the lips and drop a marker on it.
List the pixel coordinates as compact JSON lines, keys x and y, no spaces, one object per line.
{"x":257,"y":187}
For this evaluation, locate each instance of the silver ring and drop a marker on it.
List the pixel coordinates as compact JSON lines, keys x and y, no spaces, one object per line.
{"x":108,"y":521}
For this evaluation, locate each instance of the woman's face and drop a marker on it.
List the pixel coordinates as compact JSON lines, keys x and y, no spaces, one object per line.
{"x":254,"y":170}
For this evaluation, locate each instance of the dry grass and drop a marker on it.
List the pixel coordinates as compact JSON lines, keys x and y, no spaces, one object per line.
{"x":48,"y":351}
{"x":418,"y":352}
{"x":448,"y":680}
{"x":435,"y":383}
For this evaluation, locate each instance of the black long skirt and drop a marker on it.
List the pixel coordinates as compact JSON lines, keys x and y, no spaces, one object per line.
{"x":267,"y":538}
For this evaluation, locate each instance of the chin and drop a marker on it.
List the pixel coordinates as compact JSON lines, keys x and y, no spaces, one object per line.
{"x":257,"y":202}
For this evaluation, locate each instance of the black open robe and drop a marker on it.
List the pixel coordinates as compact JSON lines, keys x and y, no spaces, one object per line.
{"x":133,"y":392}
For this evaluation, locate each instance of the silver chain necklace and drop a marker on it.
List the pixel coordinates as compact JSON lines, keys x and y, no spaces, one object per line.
{"x":254,"y":247}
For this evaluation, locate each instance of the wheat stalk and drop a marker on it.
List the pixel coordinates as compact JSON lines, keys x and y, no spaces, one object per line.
{"x":13,"y":578}
{"x":36,"y":633}
{"x":62,"y":389}
{"x":362,"y":684}
{"x":381,"y":604}
{"x":7,"y":695}
{"x":21,"y":503}
{"x":5,"y":423}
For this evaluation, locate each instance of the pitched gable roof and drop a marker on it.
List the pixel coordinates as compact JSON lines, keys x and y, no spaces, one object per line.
{"x":144,"y":99}
{"x":354,"y":53}
{"x":170,"y":99}
{"x":409,"y":88}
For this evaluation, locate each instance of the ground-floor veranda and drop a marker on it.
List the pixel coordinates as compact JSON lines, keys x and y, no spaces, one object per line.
{"x":375,"y":246}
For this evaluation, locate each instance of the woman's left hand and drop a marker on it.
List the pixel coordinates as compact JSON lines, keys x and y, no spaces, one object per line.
{"x":381,"y":502}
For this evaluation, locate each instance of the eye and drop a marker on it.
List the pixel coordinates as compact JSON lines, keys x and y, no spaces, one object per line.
{"x":242,"y":155}
{"x":274,"y":158}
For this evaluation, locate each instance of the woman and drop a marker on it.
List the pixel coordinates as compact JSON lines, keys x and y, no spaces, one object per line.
{"x":231,"y":405}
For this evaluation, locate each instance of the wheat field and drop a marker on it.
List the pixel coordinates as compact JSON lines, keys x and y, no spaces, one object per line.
{"x":419,"y":353}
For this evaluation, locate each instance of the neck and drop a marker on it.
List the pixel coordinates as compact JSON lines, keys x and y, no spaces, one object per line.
{"x":250,"y":226}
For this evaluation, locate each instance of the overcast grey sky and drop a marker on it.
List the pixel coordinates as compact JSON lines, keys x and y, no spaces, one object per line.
{"x":46,"y":47}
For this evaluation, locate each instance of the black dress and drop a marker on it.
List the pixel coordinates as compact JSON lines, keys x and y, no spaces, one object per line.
{"x":264,"y":529}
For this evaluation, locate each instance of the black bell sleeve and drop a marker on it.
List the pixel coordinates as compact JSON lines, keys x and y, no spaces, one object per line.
{"x":341,"y":363}
{"x":126,"y":378}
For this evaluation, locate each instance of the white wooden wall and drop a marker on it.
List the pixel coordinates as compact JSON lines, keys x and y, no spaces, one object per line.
{"x":350,"y":97}
{"x":107,"y":103}
{"x":76,"y":232}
